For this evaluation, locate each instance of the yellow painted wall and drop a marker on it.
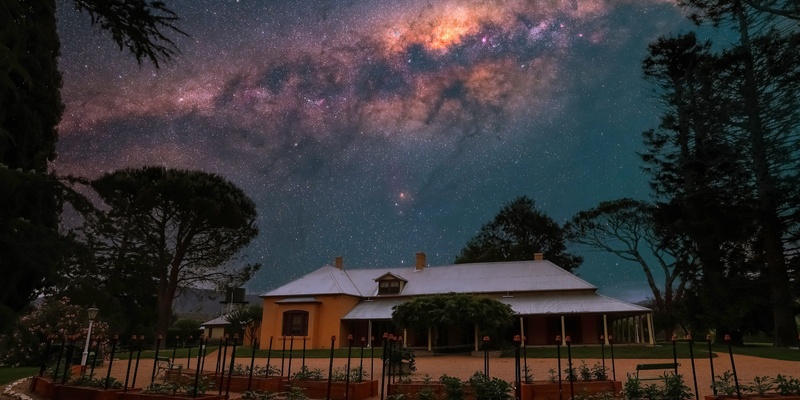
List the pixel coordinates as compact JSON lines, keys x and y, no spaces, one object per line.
{"x":324,"y":321}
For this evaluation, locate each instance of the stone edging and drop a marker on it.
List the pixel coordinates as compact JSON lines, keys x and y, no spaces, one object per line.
{"x":9,"y":390}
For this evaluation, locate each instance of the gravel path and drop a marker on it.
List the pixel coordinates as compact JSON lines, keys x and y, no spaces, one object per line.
{"x":463,"y":367}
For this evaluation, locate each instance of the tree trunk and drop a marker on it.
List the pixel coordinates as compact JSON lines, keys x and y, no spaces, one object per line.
{"x":772,"y":231}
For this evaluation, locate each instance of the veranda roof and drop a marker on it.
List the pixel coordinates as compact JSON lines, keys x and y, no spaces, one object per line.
{"x":554,"y":303}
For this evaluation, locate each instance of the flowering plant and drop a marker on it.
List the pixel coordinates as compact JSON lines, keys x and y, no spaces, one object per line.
{"x":54,"y":318}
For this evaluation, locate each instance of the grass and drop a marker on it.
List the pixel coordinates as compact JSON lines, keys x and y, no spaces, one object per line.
{"x":664,"y":351}
{"x":660,"y":351}
{"x":11,"y":374}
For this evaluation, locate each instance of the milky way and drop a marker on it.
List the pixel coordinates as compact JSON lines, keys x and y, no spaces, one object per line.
{"x":375,"y":129}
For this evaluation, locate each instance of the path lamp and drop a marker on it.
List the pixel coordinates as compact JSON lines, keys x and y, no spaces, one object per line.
{"x":92,"y":313}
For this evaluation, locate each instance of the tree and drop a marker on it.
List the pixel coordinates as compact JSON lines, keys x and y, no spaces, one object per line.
{"x":762,"y":117}
{"x":453,"y":309}
{"x":701,"y":181}
{"x":627,"y":228}
{"x":30,"y":94}
{"x":56,"y":317}
{"x":169,"y":229}
{"x":245,"y":319}
{"x":517,"y":232}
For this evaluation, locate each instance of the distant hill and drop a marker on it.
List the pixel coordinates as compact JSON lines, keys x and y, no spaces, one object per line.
{"x":204,"y":304}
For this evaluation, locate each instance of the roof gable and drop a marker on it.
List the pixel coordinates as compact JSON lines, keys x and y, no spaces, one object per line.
{"x":326,"y":280}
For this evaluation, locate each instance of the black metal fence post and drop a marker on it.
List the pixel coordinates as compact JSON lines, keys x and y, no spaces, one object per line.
{"x":60,"y":354}
{"x":111,"y":359}
{"x":372,"y":357}
{"x":230,"y":370}
{"x":558,"y":355}
{"x":303,"y":365}
{"x":94,"y":359}
{"x":330,"y":369}
{"x":189,"y":354}
{"x":130,"y":359}
{"x":603,"y":352}
{"x":46,"y":354}
{"x":361,"y":363}
{"x":197,"y":372}
{"x":252,"y":364}
{"x":486,"y":356}
{"x":68,"y":360}
{"x":525,"y":355}
{"x":269,"y":357}
{"x":613,"y":367}
{"x":711,"y":361}
{"x":222,"y":364}
{"x":291,"y":351}
{"x":517,"y":373}
{"x":675,"y":354}
{"x":733,"y":367}
{"x":155,"y":360}
{"x":383,"y":363}
{"x":347,"y":369}
{"x":571,"y":370}
{"x":694,"y":371}
{"x":138,"y":356}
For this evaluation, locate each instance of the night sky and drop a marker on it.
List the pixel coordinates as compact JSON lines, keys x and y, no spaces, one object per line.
{"x":375,"y":129}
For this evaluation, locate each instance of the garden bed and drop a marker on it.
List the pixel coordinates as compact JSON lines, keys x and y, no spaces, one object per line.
{"x":154,"y":396}
{"x":550,"y":390}
{"x":259,"y":383}
{"x":319,"y":389}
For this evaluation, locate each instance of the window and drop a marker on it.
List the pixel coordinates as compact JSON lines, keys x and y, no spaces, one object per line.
{"x":389,"y":286}
{"x":295,"y":323}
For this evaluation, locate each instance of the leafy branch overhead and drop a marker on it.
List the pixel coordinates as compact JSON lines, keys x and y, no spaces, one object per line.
{"x":137,"y":25}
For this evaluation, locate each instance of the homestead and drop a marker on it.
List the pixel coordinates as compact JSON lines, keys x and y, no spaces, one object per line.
{"x":547,"y":301}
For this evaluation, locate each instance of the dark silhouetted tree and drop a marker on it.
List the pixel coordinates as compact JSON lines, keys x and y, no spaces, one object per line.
{"x":170,"y":229}
{"x":627,"y":229}
{"x":517,"y":232}
{"x":30,"y":110}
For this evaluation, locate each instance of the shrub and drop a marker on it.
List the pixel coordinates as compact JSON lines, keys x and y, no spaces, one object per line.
{"x":306,"y":374}
{"x":787,"y":386}
{"x":487,"y":388}
{"x":453,"y":387}
{"x":599,"y":372}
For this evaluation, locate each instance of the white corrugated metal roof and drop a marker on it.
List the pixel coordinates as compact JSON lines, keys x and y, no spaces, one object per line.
{"x":216,"y":322}
{"x":326,"y":280}
{"x":532,"y":304}
{"x":515,"y":276}
{"x":374,"y":309}
{"x":569,"y":303}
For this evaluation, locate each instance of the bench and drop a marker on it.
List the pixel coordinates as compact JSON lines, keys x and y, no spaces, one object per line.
{"x":165,"y":364}
{"x":654,"y":367}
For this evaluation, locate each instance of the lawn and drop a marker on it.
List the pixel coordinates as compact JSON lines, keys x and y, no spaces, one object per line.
{"x":661,"y":350}
{"x":11,"y":374}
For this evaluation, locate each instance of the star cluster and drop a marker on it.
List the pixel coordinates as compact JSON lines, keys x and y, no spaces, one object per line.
{"x":375,"y":129}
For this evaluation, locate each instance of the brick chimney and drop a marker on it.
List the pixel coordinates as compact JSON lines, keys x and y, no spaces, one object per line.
{"x":421,"y":261}
{"x":338,"y":262}
{"x":538,"y":256}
